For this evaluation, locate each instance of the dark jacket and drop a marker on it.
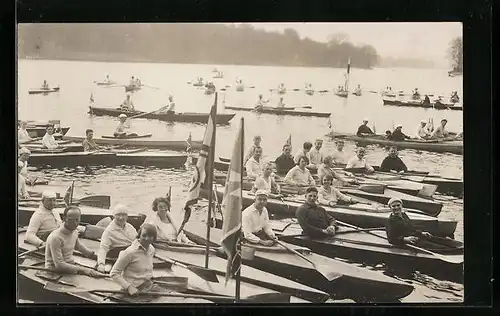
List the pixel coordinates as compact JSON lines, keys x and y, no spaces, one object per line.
{"x":364,"y":129}
{"x":393,"y":163}
{"x":284,"y":163}
{"x":398,"y":227}
{"x":398,"y":136}
{"x":313,"y":219}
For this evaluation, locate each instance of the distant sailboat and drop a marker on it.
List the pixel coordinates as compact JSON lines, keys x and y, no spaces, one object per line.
{"x":343,"y":91}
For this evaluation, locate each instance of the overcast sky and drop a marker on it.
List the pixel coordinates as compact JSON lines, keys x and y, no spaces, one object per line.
{"x":413,"y":40}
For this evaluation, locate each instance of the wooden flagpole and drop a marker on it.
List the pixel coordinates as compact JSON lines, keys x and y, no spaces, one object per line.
{"x":209,"y":180}
{"x":238,"y":245}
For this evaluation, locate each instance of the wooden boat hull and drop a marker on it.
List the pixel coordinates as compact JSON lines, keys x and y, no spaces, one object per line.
{"x":420,"y":104}
{"x":140,"y":143}
{"x":342,"y":94}
{"x":186,"y":117}
{"x":455,"y":147}
{"x":310,"y":92}
{"x":39,"y":131}
{"x":356,"y":283}
{"x":128,"y":136}
{"x":40,"y":91}
{"x":103,"y":83}
{"x":132,"y":88}
{"x":276,"y":111}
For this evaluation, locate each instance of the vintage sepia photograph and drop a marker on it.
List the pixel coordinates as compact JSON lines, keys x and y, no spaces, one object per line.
{"x":242,"y":163}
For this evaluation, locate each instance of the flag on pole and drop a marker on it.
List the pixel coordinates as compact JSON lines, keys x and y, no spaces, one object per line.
{"x":169,"y":194}
{"x":289,"y":140}
{"x":189,"y":145}
{"x":203,"y":165}
{"x":349,"y":65}
{"x":68,"y":197}
{"x":233,"y":206}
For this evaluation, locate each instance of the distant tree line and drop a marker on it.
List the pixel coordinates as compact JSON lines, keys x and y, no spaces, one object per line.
{"x":189,"y":43}
{"x":456,"y":54}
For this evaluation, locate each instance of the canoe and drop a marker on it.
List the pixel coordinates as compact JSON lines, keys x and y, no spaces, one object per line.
{"x":365,"y":216}
{"x":452,"y":146}
{"x":132,"y":88}
{"x":43,"y":91}
{"x":279,"y":111}
{"x":39,"y":131}
{"x":105,"y":83}
{"x":364,"y":247}
{"x":452,"y":186}
{"x":420,"y":104}
{"x":186,"y":117}
{"x":157,"y":144}
{"x":117,"y":157}
{"x":36,"y":147}
{"x":128,"y":136}
{"x":356,"y":283}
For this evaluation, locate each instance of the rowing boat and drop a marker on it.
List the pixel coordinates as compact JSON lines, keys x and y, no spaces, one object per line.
{"x":104,"y":83}
{"x":157,"y":144}
{"x":310,"y":92}
{"x":452,"y":146}
{"x":128,"y":136}
{"x":418,"y":103}
{"x":357,"y":214}
{"x":354,"y":282}
{"x":280,"y":111}
{"x":43,"y":91}
{"x":186,"y":117}
{"x":40,"y":130}
{"x":366,"y":247}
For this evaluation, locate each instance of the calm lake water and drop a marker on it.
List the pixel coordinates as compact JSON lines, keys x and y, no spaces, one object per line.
{"x":137,"y":187}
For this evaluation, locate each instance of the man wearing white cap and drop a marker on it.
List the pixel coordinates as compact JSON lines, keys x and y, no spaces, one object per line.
{"x":22,"y":190}
{"x":359,"y":161}
{"x":43,"y":221}
{"x":398,"y":135}
{"x":22,"y":133}
{"x":255,"y":222}
{"x":118,"y":234}
{"x":422,"y":131}
{"x":364,"y":130}
{"x":440,"y":131}
{"x":24,"y":155}
{"x":316,"y":155}
{"x":122,"y":126}
{"x":127,"y":104}
{"x":48,"y":140}
{"x":399,"y":228}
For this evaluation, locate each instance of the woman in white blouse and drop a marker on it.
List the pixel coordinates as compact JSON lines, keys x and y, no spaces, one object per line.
{"x":165,"y":225}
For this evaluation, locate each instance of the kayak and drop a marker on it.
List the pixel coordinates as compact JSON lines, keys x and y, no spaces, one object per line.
{"x":361,"y":215}
{"x":36,"y":147}
{"x":158,"y":144}
{"x":356,"y":283}
{"x":40,"y":130}
{"x":366,"y":247}
{"x":441,"y":146}
{"x":342,"y":94}
{"x":186,"y":117}
{"x":280,"y":111}
{"x":43,"y":91}
{"x":132,"y":88}
{"x":420,"y":104}
{"x":128,"y":136}
{"x":105,"y":83}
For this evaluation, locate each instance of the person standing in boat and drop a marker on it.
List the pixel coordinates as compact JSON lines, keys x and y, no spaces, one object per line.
{"x":260,"y":103}
{"x":43,"y":221}
{"x":285,"y":161}
{"x":416,"y":94}
{"x":440,"y":131}
{"x":63,"y":241}
{"x":304,"y":152}
{"x":423,"y":131}
{"x":255,"y":224}
{"x":133,"y":270}
{"x":300,"y":175}
{"x":22,"y":189}
{"x":22,"y":134}
{"x":255,"y":165}
{"x":132,"y":81}
{"x":266,"y":181}
{"x":392,"y":163}
{"x":314,"y":219}
{"x":316,"y":156}
{"x":167,"y":228}
{"x":399,"y":228}
{"x":281,"y":104}
{"x":398,"y":135}
{"x":48,"y":140}
{"x":118,"y":234}
{"x":364,"y":130}
{"x":328,"y":195}
{"x":339,"y":156}
{"x":89,"y":143}
{"x":257,"y":140}
{"x":359,"y":161}
{"x":127,"y":104}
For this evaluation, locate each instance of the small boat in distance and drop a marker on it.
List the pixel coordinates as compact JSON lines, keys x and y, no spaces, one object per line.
{"x":343,"y":91}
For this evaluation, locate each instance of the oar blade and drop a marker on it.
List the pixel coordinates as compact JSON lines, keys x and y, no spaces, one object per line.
{"x":327,"y":272}
{"x":455,"y":259}
{"x":269,"y":298}
{"x":204,"y":273}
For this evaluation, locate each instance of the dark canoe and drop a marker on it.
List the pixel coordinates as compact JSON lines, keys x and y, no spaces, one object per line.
{"x":419,"y":104}
{"x":132,"y":88}
{"x":39,"y":131}
{"x":342,"y":94}
{"x":186,"y":117}
{"x":440,"y":146}
{"x":278,"y":111}
{"x":365,"y":216}
{"x":142,"y":143}
{"x":361,"y":285}
{"x":104,"y":83}
{"x":43,"y":91}
{"x":364,"y":247}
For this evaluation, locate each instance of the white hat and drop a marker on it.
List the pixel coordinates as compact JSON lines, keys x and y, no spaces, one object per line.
{"x":122,"y":115}
{"x":399,"y":125}
{"x":20,"y":164}
{"x":392,"y":200}
{"x":423,"y":121}
{"x":365,"y":120}
{"x":261,"y":192}
{"x":24,"y":150}
{"x":120,"y":209}
{"x":49,"y":194}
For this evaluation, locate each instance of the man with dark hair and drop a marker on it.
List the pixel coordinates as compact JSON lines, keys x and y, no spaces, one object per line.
{"x":43,"y":221}
{"x":364,"y":130}
{"x":398,"y":135}
{"x":300,"y":175}
{"x":313,"y":219}
{"x":285,"y":161}
{"x":392,"y":163}
{"x":304,"y":152}
{"x":89,"y":143}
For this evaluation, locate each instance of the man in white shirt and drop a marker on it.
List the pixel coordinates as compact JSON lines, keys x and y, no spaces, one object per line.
{"x":24,"y":155}
{"x":22,"y":190}
{"x":422,"y":131}
{"x":304,"y":152}
{"x":339,"y":156}
{"x":315,"y":155}
{"x":43,"y":221}
{"x":48,"y":140}
{"x":127,"y":105}
{"x":359,"y":161}
{"x":22,"y":133}
{"x":254,"y":165}
{"x":255,"y":222}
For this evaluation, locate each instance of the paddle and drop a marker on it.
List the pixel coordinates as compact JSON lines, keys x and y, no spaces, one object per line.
{"x":142,"y":114}
{"x":32,"y":183}
{"x":24,"y":254}
{"x":324,"y":270}
{"x":360,"y":230}
{"x":145,"y":85}
{"x":206,"y":274}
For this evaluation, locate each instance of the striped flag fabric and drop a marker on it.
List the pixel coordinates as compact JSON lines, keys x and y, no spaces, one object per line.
{"x":232,"y":208}
{"x":203,"y":165}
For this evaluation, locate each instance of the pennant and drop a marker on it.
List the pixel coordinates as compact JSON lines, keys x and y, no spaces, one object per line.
{"x":68,"y":197}
{"x":169,"y":194}
{"x":203,"y":165}
{"x":91,"y":98}
{"x":233,"y":207}
{"x":289,"y":140}
{"x":189,"y":144}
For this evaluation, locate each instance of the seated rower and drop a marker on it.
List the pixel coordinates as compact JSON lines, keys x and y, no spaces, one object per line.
{"x":107,"y":79}
{"x":328,"y":195}
{"x":255,"y":222}
{"x":118,"y":234}
{"x":24,"y":155}
{"x":63,"y":241}
{"x":304,"y":152}
{"x":45,"y":85}
{"x":300,"y":175}
{"x":326,"y":168}
{"x":166,"y":227}
{"x":133,"y":270}
{"x":122,"y":126}
{"x":454,"y":97}
{"x":392,"y":163}
{"x":316,"y":155}
{"x":48,"y":140}
{"x":89,"y":143}
{"x":399,"y":228}
{"x":422,"y":131}
{"x":339,"y":156}
{"x":266,"y":181}
{"x":260,"y":103}
{"x":440,"y":131}
{"x":314,"y":219}
{"x":285,"y":161}
{"x":127,"y":105}
{"x":254,"y":165}
{"x":388,"y":135}
{"x":359,"y":161}
{"x":398,"y":135}
{"x":132,"y":81}
{"x":43,"y":221}
{"x":171,"y":104}
{"x":364,"y":130}
{"x":22,"y":190}
{"x":281,"y":104}
{"x":426,"y":101}
{"x":416,"y":94}
{"x":257,"y":139}
{"x":22,"y":133}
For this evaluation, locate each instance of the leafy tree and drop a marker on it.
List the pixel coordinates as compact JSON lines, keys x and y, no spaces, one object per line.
{"x":455,"y":53}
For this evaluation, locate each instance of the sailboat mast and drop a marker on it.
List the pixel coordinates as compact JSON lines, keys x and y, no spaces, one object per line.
{"x":346,"y":84}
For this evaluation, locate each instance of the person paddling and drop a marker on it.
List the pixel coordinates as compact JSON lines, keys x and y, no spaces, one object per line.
{"x":364,"y":130}
{"x":166,"y":227}
{"x":260,"y":103}
{"x":422,"y":131}
{"x":285,"y":161}
{"x":281,"y":104}
{"x":255,"y":223}
{"x":127,"y":104}
{"x":22,"y":134}
{"x":314,"y":219}
{"x":48,"y":140}
{"x":392,"y":163}
{"x":45,"y":85}
{"x":120,"y":131}
{"x":398,"y":135}
{"x":118,"y":234}
{"x":440,"y":131}
{"x":169,"y":108}
{"x":399,"y":228}
{"x":89,"y":143}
